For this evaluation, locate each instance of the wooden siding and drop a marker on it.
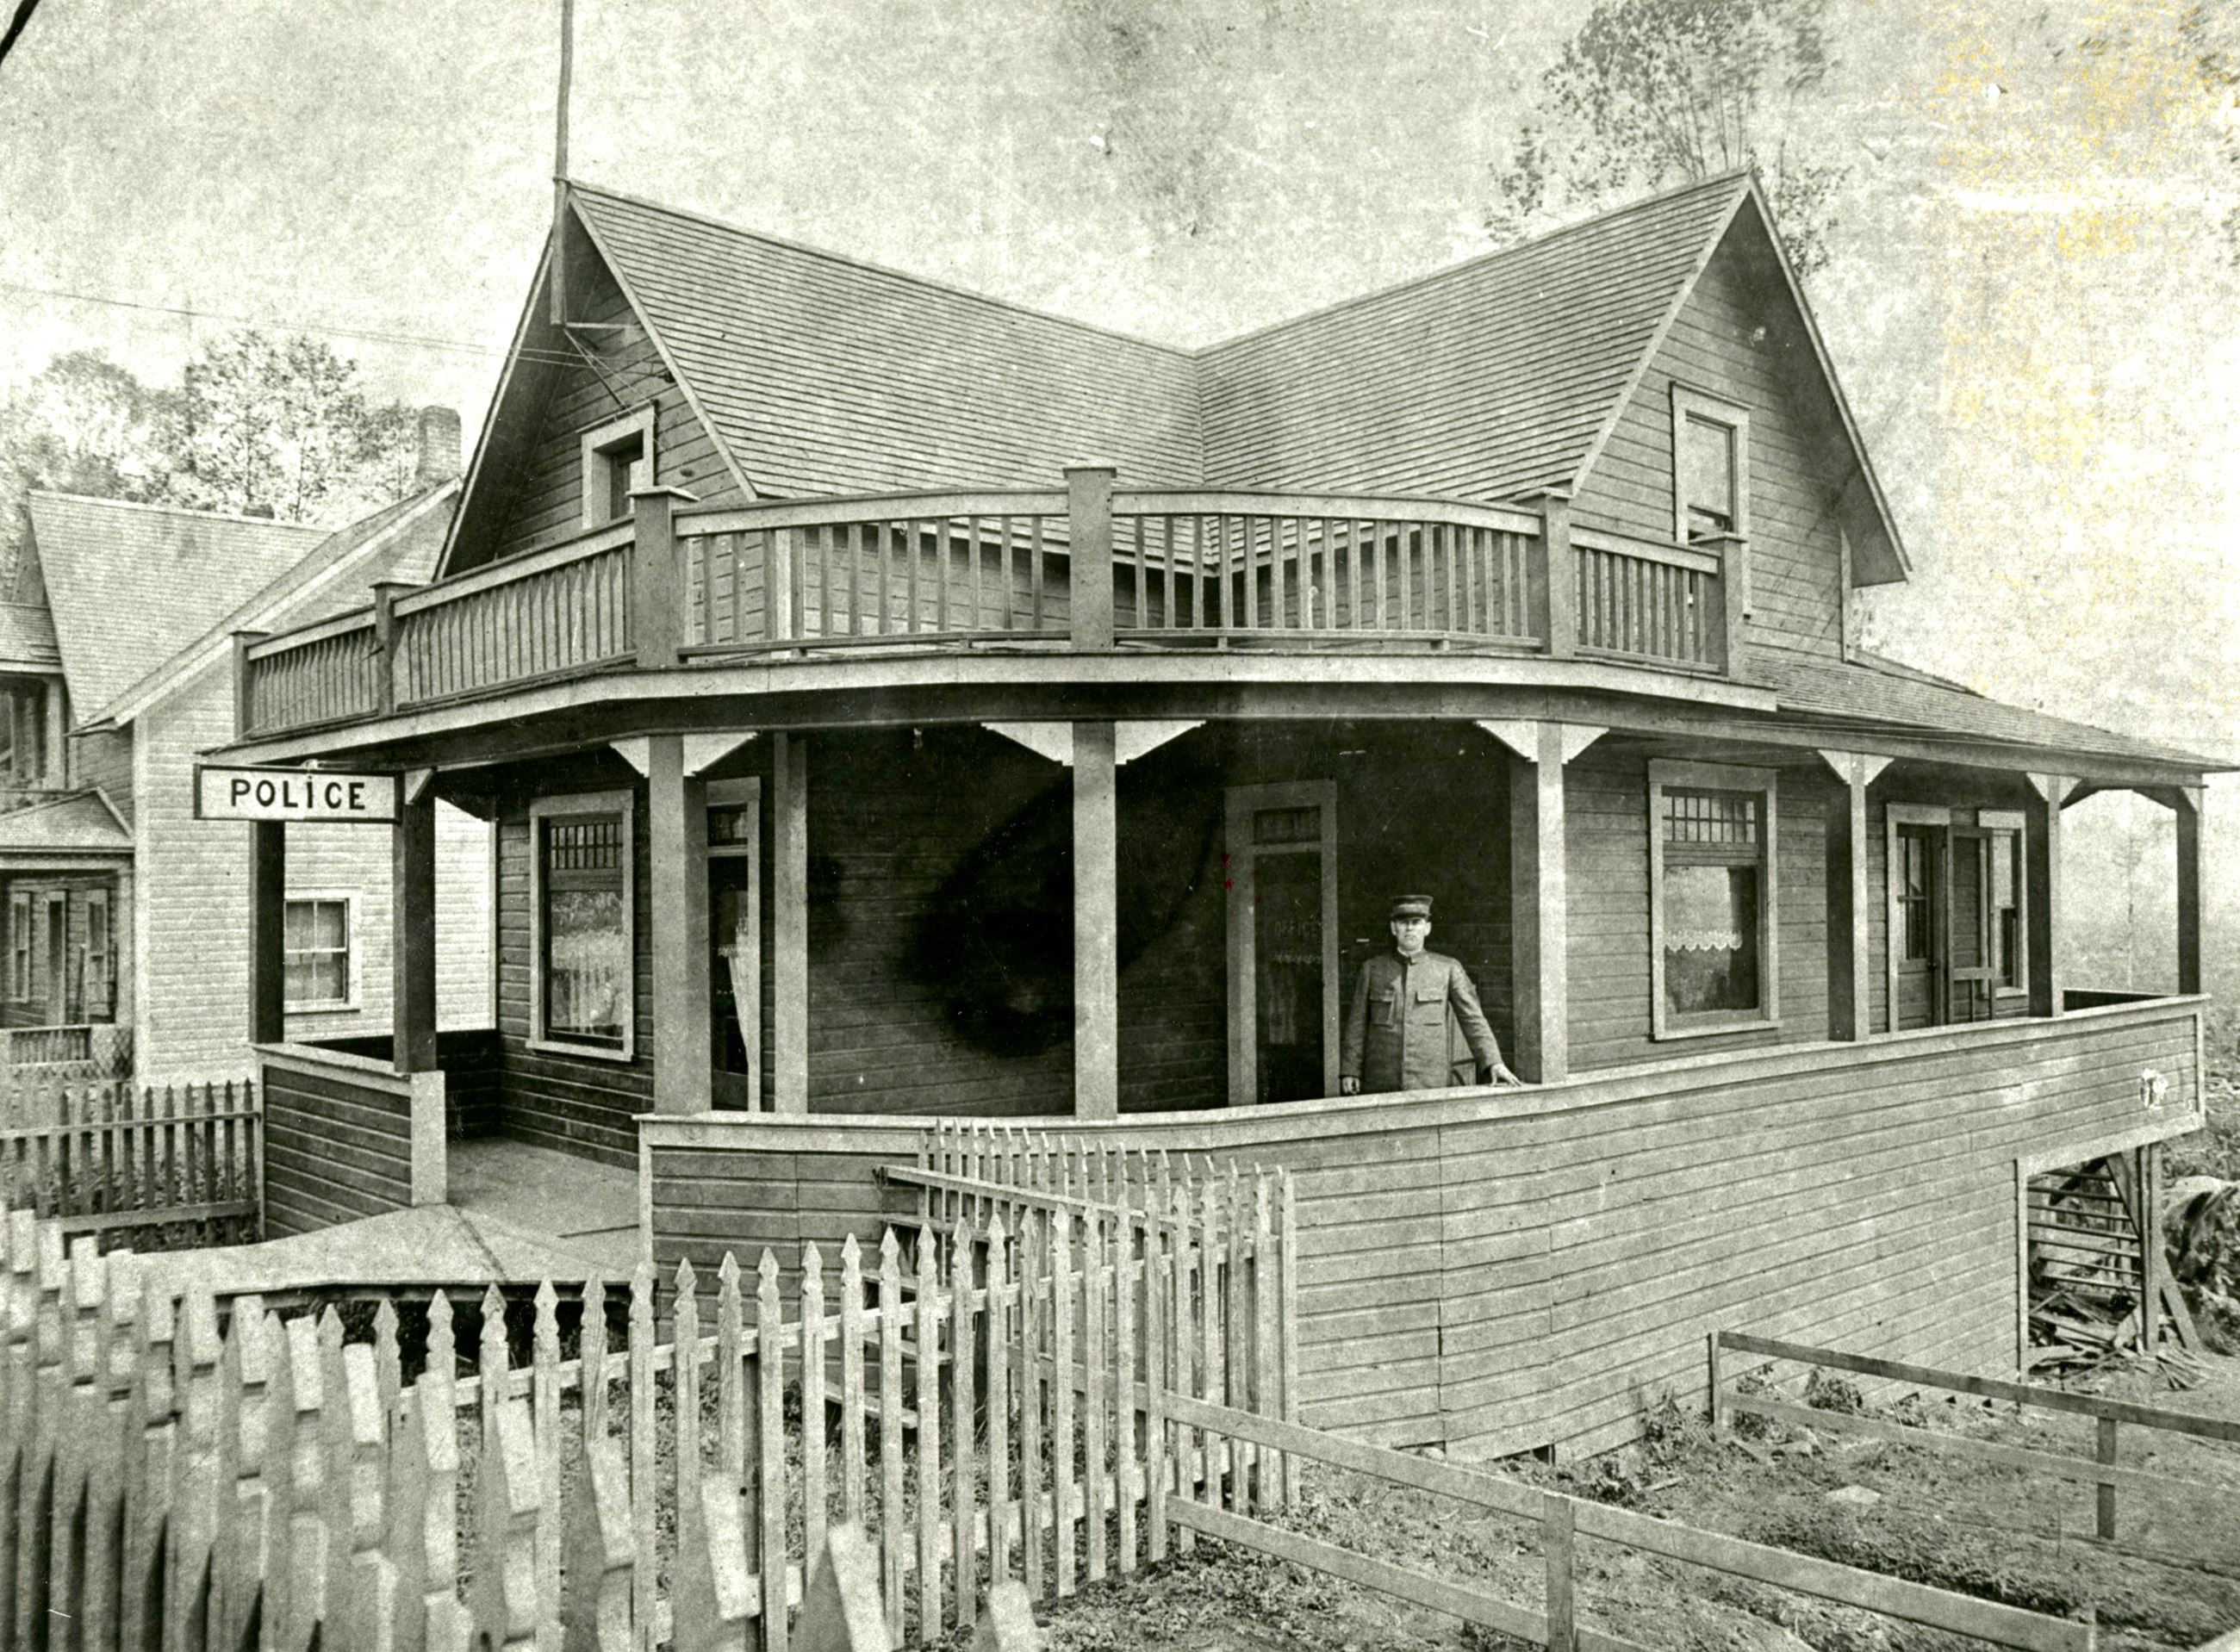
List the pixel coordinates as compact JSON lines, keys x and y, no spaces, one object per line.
{"x":1606,"y":794}
{"x":1738,"y":338}
{"x":104,"y":760}
{"x":543,"y":495}
{"x":336,"y":1148}
{"x":1496,"y":1271}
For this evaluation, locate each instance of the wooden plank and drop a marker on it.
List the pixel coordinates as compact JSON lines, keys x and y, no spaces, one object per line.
{"x":963,"y":1475}
{"x":891,"y":1526}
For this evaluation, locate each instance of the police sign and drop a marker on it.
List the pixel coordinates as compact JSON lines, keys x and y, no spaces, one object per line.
{"x":295,"y":795}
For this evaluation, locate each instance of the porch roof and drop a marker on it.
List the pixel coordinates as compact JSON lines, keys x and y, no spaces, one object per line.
{"x":80,"y":823}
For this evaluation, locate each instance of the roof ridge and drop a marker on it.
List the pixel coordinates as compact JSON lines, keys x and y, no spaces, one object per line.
{"x":195,"y":511}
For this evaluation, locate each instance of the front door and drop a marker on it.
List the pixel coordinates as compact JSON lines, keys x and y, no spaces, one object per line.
{"x":1968,"y":943}
{"x":1918,"y":925}
{"x":1282,"y":873}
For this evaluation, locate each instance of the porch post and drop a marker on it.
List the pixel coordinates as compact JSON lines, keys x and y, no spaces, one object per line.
{"x":412,"y":930}
{"x":1096,"y":922}
{"x":657,"y":576}
{"x":677,"y":822}
{"x":268,"y":931}
{"x":2048,"y":979}
{"x":790,"y":923}
{"x":2188,"y":803}
{"x":1851,"y":910}
{"x":1539,"y":897}
{"x":57,"y":754}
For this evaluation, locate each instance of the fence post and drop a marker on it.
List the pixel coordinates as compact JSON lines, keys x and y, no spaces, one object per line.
{"x":33,"y":1507}
{"x":2104,"y":1499}
{"x":505,"y":1605}
{"x":1557,"y":1521}
{"x":600,"y":1557}
{"x":1718,"y":1394}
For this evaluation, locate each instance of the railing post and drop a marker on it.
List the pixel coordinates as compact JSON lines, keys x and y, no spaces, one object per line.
{"x":1088,"y":543}
{"x":1560,"y":575}
{"x":243,"y":704}
{"x":657,"y":583}
{"x":384,"y":641}
{"x":1734,"y":598}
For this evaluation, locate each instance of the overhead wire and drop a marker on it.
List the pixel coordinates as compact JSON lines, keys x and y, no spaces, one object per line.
{"x":17,"y":25}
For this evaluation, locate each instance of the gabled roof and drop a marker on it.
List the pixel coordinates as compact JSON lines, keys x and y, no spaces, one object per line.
{"x":398,"y":541}
{"x":27,"y":637}
{"x":1874,"y":692}
{"x":130,"y":584}
{"x":78,"y":823}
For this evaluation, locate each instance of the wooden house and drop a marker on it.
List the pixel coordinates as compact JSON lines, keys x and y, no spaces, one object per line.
{"x":896,"y":705}
{"x":123,"y":939}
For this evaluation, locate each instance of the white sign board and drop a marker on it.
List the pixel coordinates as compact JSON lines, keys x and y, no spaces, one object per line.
{"x":295,"y":795}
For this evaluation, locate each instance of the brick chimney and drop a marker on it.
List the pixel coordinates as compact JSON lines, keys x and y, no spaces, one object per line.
{"x":439,"y":448}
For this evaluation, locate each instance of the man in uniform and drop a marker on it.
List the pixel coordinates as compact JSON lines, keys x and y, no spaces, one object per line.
{"x":1397,"y":1030}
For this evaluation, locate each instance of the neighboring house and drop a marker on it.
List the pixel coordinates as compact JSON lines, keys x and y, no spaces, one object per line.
{"x":896,"y":705}
{"x":122,"y":910}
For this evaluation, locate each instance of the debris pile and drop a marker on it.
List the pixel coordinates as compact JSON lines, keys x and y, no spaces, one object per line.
{"x":2075,"y":1333}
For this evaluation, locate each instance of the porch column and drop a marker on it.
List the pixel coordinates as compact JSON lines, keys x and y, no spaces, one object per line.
{"x":788,"y":922}
{"x":1096,"y":922}
{"x":2188,"y":803}
{"x":1539,"y":892}
{"x":2048,"y":978}
{"x":57,"y":754}
{"x":268,"y":931}
{"x":1850,"y":908}
{"x":677,"y":822}
{"x":413,"y":929}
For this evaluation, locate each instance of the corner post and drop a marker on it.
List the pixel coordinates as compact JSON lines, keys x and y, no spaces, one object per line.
{"x":790,"y":923}
{"x":412,"y":926}
{"x":2191,"y":802}
{"x":2048,"y":979}
{"x":1850,"y":911}
{"x":657,"y":576}
{"x":1096,"y":922}
{"x":245,"y":703}
{"x":1560,"y":572}
{"x":268,"y":931}
{"x":1088,"y":541}
{"x":385,"y":593}
{"x":677,"y":823}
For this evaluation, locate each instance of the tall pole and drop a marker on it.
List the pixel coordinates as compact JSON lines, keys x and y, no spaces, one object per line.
{"x":560,"y":165}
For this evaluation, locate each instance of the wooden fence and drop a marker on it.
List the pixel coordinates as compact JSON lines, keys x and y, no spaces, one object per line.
{"x":110,"y":1156}
{"x":990,"y":1412}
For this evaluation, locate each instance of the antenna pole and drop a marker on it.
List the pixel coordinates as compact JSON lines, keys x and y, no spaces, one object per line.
{"x":559,"y":284}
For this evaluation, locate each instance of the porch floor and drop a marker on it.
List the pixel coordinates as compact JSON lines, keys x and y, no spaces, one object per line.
{"x":518,"y":1215}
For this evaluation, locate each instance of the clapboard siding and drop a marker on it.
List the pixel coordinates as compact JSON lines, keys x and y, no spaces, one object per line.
{"x":104,"y":760}
{"x":1738,"y":339}
{"x":1504,"y":1270}
{"x":335,"y":1149}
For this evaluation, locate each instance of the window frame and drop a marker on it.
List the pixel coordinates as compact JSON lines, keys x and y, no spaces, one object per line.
{"x":1664,"y":1023}
{"x":2016,"y":822}
{"x":352,"y":954}
{"x":20,"y":946}
{"x":103,"y":959}
{"x":598,"y":461}
{"x":1689,"y":402}
{"x":624,"y":804}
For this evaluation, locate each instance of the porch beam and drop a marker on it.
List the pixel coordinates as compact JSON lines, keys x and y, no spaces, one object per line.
{"x":412,"y":936}
{"x":677,"y":825}
{"x":2048,"y":978}
{"x":790,"y":923}
{"x":1095,"y":922}
{"x":1850,"y":908}
{"x":1539,"y":892}
{"x":268,"y":931}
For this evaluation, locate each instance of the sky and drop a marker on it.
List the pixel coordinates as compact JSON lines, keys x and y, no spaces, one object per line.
{"x":2028,"y":303}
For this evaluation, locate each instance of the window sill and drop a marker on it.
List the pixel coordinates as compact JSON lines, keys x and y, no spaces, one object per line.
{"x":622,"y":1056}
{"x":1712,"y":1029}
{"x":338,"y":1008}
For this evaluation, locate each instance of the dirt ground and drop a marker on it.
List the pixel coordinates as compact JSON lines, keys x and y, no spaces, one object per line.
{"x":2172,"y":1578}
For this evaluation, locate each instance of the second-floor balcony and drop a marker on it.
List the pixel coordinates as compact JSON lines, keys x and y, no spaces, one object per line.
{"x":1090,"y":566}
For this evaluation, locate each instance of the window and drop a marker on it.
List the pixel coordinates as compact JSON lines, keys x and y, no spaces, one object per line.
{"x":2005,"y":928}
{"x":320,"y":972}
{"x":1710,"y":467}
{"x":1913,"y":849}
{"x":19,"y":944}
{"x":100,"y":1003}
{"x":582,"y":991}
{"x":617,"y":458}
{"x":1711,"y":899}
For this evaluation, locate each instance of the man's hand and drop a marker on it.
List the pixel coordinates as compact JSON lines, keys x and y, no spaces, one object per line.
{"x":1503,"y":1076}
{"x":1349,"y":1087}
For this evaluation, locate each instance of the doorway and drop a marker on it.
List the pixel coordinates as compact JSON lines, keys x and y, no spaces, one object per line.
{"x":57,"y":960}
{"x":1957,"y":914}
{"x":735,"y":929}
{"x":1282,"y":876}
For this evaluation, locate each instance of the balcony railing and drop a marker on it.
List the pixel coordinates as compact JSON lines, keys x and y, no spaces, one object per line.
{"x":1086,"y":568}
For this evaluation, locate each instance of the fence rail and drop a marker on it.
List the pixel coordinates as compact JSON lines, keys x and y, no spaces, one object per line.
{"x":110,"y":1156}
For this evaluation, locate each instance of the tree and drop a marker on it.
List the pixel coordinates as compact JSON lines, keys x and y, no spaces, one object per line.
{"x":83,"y":425}
{"x":1651,"y":93}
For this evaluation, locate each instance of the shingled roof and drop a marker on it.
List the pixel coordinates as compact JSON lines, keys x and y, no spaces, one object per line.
{"x":128,"y":585}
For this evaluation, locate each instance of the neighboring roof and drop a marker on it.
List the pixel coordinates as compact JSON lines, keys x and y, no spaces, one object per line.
{"x":398,"y":541}
{"x":1490,"y":379}
{"x":130,"y":584}
{"x":1870,"y":689}
{"x":820,"y":374}
{"x":27,"y":637}
{"x":77,"y":823}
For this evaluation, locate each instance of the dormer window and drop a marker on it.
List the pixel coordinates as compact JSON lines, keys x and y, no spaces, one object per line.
{"x":618,"y":460}
{"x":1710,"y":467}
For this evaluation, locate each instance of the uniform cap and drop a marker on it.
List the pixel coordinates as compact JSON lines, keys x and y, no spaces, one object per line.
{"x":1411,"y":906}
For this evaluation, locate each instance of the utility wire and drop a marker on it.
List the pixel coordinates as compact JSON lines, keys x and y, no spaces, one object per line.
{"x":16,"y":25}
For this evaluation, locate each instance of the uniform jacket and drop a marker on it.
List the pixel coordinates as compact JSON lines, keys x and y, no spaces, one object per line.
{"x":1396,"y":1032}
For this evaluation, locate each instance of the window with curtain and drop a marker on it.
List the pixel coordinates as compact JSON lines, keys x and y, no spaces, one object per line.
{"x":584,"y":927}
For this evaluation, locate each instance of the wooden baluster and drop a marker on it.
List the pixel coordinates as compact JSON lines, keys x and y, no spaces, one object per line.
{"x":684,"y":1389}
{"x":979,"y":620}
{"x":1062,"y":1495}
{"x":851,"y":1382}
{"x":770,"y":1347}
{"x":940,"y":526}
{"x":1126,"y":1484}
{"x":816,"y":1496}
{"x":642,"y":1468}
{"x":964,"y":1478}
{"x":928,"y":1436}
{"x":828,"y":546}
{"x":891,"y":1525}
{"x":1158,"y":1330}
{"x":1034,"y":1313}
{"x":1035,"y":573}
{"x":995,"y":1349}
{"x":880,"y":533}
{"x":1093,"y":1395}
{"x":909,"y":532}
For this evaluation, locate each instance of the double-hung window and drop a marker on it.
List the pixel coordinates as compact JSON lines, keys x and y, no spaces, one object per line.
{"x":2005,"y":929}
{"x":1710,"y":467}
{"x":582,"y":987}
{"x":319,"y":964}
{"x":1712,"y":894}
